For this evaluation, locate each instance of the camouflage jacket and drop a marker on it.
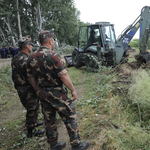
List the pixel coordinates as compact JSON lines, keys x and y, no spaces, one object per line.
{"x":46,"y":67}
{"x":19,"y":72}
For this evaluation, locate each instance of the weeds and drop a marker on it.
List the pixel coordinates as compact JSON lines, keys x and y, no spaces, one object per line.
{"x":112,"y":119}
{"x":139,"y":95}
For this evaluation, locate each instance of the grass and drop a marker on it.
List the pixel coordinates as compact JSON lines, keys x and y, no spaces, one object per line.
{"x":110,"y":120}
{"x":12,"y":127}
{"x":110,"y":116}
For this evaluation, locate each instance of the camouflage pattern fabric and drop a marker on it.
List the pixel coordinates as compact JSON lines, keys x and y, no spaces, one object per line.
{"x":25,"y":91}
{"x":25,"y":40}
{"x":45,"y":66}
{"x":46,"y":34}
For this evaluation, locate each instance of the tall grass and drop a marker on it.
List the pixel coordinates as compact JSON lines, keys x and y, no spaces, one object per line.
{"x":140,"y":87}
{"x":6,"y":84}
{"x":140,"y":95}
{"x":109,"y":120}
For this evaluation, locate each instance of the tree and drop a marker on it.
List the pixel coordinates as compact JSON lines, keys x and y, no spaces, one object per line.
{"x":28,"y":17}
{"x":134,"y":43}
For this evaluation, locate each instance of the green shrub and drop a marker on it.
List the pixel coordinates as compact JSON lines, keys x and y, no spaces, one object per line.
{"x":134,"y":43}
{"x":64,"y":49}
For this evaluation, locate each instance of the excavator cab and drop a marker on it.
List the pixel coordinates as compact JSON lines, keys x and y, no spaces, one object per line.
{"x":96,"y":40}
{"x":100,"y":34}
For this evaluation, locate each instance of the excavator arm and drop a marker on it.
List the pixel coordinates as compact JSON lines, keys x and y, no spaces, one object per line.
{"x":142,"y":22}
{"x":144,"y":28}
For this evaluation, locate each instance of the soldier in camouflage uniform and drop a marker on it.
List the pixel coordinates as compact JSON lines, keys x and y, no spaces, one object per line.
{"x":48,"y":76}
{"x":25,"y":91}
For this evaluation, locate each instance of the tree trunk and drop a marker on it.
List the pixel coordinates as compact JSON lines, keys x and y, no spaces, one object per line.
{"x":38,"y":17}
{"x":9,"y":28}
{"x":2,"y":35}
{"x":54,"y":10}
{"x":18,"y":15}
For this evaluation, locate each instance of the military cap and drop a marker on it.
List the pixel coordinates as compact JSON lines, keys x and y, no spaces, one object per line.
{"x":25,"y":40}
{"x":46,"y":34}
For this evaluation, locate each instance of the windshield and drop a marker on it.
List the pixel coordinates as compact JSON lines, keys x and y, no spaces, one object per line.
{"x":89,"y":36}
{"x":109,"y":37}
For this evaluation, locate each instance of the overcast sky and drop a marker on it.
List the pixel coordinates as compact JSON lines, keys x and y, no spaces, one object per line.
{"x":118,"y":12}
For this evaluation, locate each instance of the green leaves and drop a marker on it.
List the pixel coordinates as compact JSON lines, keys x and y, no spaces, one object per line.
{"x":55,"y":14}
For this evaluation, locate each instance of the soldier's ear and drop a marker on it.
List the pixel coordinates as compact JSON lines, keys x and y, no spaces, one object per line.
{"x":50,"y":41}
{"x":27,"y":46}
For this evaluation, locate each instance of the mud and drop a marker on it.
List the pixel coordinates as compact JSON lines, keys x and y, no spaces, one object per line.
{"x":127,"y":68}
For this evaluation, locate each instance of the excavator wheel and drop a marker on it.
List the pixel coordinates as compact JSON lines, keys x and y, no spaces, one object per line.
{"x":77,"y":59}
{"x":90,"y":61}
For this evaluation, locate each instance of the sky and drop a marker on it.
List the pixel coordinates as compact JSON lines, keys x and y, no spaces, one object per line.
{"x":118,"y":12}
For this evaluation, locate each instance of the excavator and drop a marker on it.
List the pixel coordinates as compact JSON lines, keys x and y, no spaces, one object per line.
{"x":98,"y":43}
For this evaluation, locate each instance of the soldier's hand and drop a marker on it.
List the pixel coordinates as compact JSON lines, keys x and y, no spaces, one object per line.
{"x":74,"y":95}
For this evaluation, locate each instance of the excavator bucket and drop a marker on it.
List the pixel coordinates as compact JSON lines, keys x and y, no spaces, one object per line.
{"x":68,"y":59}
{"x":143,"y":57}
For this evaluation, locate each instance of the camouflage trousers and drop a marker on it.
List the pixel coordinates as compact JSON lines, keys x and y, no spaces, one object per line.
{"x":56,"y":100}
{"x":29,"y":100}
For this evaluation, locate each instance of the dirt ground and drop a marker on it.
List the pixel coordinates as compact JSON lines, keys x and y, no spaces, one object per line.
{"x":4,"y":62}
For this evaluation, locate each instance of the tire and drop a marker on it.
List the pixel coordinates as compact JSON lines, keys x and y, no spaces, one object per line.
{"x":91,"y":62}
{"x":77,"y":59}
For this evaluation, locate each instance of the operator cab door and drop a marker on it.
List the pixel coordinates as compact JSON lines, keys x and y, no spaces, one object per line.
{"x":82,"y":38}
{"x":89,"y":38}
{"x":108,"y":37}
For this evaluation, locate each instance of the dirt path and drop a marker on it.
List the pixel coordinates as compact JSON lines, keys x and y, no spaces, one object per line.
{"x":4,"y":62}
{"x":12,"y":113}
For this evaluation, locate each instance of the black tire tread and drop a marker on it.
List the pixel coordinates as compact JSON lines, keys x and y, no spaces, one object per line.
{"x":79,"y":63}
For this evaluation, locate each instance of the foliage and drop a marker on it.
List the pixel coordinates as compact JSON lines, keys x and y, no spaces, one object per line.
{"x":135,"y":43}
{"x":36,"y":15}
{"x":64,"y":49}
